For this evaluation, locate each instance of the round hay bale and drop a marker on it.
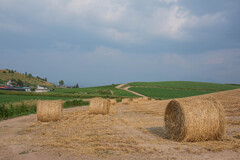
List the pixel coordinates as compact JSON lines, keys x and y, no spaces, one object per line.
{"x":113,"y":101}
{"x":126,"y":100}
{"x":99,"y":106}
{"x":49,"y":110}
{"x":194,"y":119}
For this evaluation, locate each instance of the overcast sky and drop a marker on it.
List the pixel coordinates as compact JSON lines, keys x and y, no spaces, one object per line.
{"x":98,"y":42}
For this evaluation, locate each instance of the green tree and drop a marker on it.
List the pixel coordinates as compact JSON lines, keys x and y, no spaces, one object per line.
{"x":77,"y":86}
{"x":61,"y":82}
{"x":30,"y":75}
{"x":19,"y":82}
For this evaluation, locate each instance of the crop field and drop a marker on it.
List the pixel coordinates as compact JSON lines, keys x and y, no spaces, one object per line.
{"x":165,"y":93}
{"x":177,"y":89}
{"x":98,"y":91}
{"x":20,"y":98}
{"x":187,"y":85}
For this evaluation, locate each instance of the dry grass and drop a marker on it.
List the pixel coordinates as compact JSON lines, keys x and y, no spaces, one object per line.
{"x":145,"y":99}
{"x":238,"y":136}
{"x":49,"y":110}
{"x":84,"y":133}
{"x":113,"y":101}
{"x":233,"y":122}
{"x":126,"y":100}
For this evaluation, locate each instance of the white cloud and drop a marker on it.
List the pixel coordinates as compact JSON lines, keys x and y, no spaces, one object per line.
{"x":119,"y":20}
{"x":168,"y":1}
{"x":168,"y":22}
{"x":205,"y":20}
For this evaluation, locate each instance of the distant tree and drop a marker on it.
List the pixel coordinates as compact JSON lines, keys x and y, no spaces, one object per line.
{"x":26,"y":74}
{"x":45,"y":79}
{"x":30,"y":75}
{"x":4,"y":72}
{"x":77,"y":86}
{"x":14,"y":80}
{"x":61,"y":82}
{"x":19,"y":82}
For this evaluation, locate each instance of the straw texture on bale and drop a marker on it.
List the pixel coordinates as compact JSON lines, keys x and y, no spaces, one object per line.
{"x":99,"y":106}
{"x":126,"y":101}
{"x":49,"y":110}
{"x":113,"y":101}
{"x":194,"y":119}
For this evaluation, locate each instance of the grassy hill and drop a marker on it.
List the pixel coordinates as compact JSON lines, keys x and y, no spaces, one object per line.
{"x":177,"y":89}
{"x":97,"y":91}
{"x":6,"y":75}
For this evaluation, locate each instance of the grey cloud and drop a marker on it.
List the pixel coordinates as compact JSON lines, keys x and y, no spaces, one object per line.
{"x":119,"y":41}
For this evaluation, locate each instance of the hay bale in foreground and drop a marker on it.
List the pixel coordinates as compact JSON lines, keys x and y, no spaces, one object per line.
{"x":113,"y":101}
{"x":99,"y":106}
{"x":49,"y":110}
{"x":194,"y":119}
{"x":126,"y":100}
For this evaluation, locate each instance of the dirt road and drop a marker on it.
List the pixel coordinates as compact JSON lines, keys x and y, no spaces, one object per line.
{"x":126,"y":89}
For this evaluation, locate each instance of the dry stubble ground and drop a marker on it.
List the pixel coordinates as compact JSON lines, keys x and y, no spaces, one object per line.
{"x":134,"y":131}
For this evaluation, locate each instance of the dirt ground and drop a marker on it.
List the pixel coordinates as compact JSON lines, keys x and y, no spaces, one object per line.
{"x":134,"y":131}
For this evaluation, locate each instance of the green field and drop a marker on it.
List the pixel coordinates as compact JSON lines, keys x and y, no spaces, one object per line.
{"x":177,"y":89}
{"x":160,"y":90}
{"x":165,"y":93}
{"x":65,"y":94}
{"x":97,"y":91}
{"x":20,"y":98}
{"x":187,"y":85}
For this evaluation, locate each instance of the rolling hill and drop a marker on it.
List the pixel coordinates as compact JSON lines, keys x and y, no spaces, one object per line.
{"x":29,"y":80}
{"x":177,"y":89}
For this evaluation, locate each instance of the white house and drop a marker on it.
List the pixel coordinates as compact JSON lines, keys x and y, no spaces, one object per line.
{"x":27,"y":89}
{"x":10,"y":83}
{"x":42,"y":89}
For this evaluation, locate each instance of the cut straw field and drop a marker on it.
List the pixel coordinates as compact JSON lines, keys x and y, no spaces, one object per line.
{"x":130,"y":131}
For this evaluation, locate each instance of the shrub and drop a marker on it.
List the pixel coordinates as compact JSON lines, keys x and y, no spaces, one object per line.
{"x":74,"y":103}
{"x":14,"y":111}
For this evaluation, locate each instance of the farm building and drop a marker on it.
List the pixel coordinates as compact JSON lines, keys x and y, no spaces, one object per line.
{"x":26,"y":89}
{"x":11,"y":83}
{"x":41,"y":89}
{"x":11,"y":88}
